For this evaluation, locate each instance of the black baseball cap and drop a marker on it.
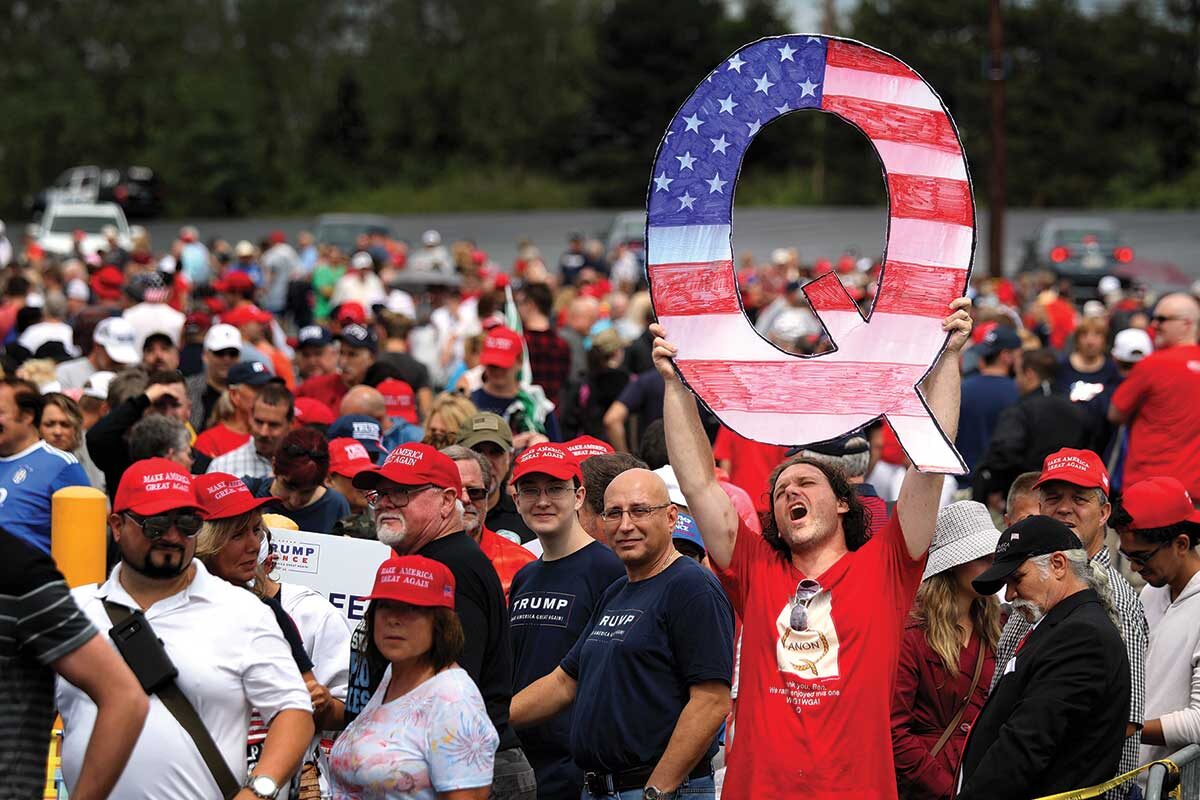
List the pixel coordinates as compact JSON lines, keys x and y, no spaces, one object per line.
{"x":311,"y":335}
{"x":851,"y":444}
{"x":159,"y":336}
{"x":1032,"y":536}
{"x":250,"y":373}
{"x":997,"y":340}
{"x":355,"y":335}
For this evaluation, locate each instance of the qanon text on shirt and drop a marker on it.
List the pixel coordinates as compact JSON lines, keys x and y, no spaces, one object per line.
{"x":549,"y":609}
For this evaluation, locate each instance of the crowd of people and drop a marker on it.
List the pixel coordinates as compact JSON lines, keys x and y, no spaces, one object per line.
{"x":595,"y":589}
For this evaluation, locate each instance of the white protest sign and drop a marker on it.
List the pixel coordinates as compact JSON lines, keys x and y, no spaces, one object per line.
{"x":341,"y":568}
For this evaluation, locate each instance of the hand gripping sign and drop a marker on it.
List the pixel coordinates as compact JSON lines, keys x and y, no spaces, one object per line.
{"x":754,"y":387}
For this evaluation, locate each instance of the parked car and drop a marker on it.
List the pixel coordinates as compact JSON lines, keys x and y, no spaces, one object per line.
{"x":342,"y":230}
{"x":1081,"y":249}
{"x":57,"y":231}
{"x":137,"y":190}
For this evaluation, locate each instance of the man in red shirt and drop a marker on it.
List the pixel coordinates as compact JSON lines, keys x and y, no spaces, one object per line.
{"x":357,"y":354}
{"x":1156,"y":400}
{"x":822,"y":605}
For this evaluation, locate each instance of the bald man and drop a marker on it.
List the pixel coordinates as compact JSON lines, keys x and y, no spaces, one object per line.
{"x":582,"y":313}
{"x":1153,"y":401}
{"x":368,"y":400}
{"x":645,"y":714}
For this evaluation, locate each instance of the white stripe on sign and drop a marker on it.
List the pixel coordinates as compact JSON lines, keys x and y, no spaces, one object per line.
{"x":937,"y":244}
{"x":688,"y":244}
{"x":902,"y":158}
{"x":880,"y":87}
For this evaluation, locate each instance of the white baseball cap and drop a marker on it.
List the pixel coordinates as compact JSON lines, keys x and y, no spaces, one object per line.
{"x":674,"y":493}
{"x":431,"y":238}
{"x":116,"y":336}
{"x":361,"y":260}
{"x":222,"y":337}
{"x":401,"y":302}
{"x":97,"y":385}
{"x":1108,"y":284}
{"x":243,"y":249}
{"x":77,"y":289}
{"x":1132,"y":345}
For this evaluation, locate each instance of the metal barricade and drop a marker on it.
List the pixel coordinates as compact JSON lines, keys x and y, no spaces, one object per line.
{"x":1160,"y":781}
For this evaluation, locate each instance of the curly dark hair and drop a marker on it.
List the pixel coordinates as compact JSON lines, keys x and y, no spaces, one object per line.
{"x":1122,"y":520}
{"x":855,"y":522}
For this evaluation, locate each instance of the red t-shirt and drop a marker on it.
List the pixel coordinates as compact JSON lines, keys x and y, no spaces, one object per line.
{"x":814,"y":708}
{"x":750,"y":464}
{"x":219,"y":440}
{"x":329,"y":389}
{"x":1164,"y":438}
{"x":507,"y":557}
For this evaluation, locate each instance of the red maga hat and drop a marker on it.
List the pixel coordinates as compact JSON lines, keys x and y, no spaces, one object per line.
{"x":415,"y":580}
{"x":348,"y":457}
{"x":584,"y":447}
{"x":246,"y":314}
{"x":234,"y":281}
{"x":222,"y":496}
{"x":413,"y":465}
{"x":398,"y":398}
{"x":547,"y":459}
{"x":1157,"y":503}
{"x":1079,"y":467}
{"x":313,"y":412}
{"x":501,"y":348}
{"x":154,"y":485}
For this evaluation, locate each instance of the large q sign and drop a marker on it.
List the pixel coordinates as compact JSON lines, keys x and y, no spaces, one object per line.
{"x":754,"y":387}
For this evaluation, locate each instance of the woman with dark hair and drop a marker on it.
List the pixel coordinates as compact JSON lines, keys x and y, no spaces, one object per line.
{"x":301,"y":465}
{"x":947,"y":656}
{"x":425,"y":733}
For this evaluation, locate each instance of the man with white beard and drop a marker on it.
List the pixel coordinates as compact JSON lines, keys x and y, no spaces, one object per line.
{"x":414,"y":497}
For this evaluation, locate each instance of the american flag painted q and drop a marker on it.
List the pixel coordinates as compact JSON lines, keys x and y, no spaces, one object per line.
{"x":755,"y":388}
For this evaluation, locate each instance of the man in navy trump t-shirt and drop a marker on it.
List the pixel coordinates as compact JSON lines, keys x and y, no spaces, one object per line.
{"x":552,"y":599}
{"x":31,"y":471}
{"x":648,"y":680}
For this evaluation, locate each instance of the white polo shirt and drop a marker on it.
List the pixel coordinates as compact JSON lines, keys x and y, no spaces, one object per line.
{"x":231,"y":657}
{"x":326,"y":635}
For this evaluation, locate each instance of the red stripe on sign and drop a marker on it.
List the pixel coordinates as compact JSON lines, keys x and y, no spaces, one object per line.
{"x":856,"y":56}
{"x":918,"y":289}
{"x":708,"y":287}
{"x":937,"y":199}
{"x":896,"y":123}
{"x":806,"y":386}
{"x":826,"y":293}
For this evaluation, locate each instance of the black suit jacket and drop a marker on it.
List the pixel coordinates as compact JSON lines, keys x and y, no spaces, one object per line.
{"x":1057,"y":721}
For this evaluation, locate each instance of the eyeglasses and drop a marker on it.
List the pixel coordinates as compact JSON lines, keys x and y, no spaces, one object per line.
{"x":476,"y":493}
{"x":1159,"y":319}
{"x":157,"y":526}
{"x":1142,"y":559}
{"x":555,"y":492}
{"x":613,"y":516}
{"x":806,"y":590}
{"x":398,"y":497}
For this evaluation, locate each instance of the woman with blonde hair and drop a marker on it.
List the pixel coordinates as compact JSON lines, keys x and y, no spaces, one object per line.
{"x":446,"y":416}
{"x":947,"y":655}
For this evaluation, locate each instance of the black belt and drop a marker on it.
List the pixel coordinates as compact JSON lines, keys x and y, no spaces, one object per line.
{"x":602,"y":784}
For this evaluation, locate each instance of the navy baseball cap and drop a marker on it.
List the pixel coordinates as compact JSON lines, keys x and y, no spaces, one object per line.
{"x":364,"y":429}
{"x":311,"y":335}
{"x":1032,"y":536}
{"x":851,"y":444}
{"x":355,"y":335}
{"x":999,"y":339}
{"x":251,"y":373}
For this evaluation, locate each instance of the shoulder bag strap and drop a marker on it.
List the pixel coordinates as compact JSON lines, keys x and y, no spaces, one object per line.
{"x":185,"y":714}
{"x":946,"y":734}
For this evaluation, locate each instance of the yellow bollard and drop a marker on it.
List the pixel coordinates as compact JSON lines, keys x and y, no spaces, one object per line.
{"x":79,"y":534}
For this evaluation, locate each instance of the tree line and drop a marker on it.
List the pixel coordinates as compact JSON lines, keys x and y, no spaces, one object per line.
{"x":251,"y":105}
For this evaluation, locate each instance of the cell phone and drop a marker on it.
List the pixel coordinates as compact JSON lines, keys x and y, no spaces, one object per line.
{"x":143,"y":652}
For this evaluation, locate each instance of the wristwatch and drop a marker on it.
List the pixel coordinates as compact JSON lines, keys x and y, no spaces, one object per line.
{"x":262,"y":786}
{"x":653,"y":793}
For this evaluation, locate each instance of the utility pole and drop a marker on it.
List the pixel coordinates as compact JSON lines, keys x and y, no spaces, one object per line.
{"x":996,"y":179}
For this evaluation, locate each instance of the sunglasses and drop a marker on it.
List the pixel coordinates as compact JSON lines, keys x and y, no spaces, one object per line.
{"x":155,"y":527}
{"x":230,"y":352}
{"x":1159,"y":319}
{"x":806,"y":590}
{"x":296,"y":451}
{"x":477,"y":493}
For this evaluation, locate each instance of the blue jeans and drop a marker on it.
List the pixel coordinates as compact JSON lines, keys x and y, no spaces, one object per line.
{"x":692,"y":788}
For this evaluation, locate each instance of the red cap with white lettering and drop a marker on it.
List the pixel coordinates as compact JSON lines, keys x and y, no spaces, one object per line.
{"x":413,"y":465}
{"x":501,"y":348}
{"x":1079,"y":467}
{"x":547,"y":459}
{"x":584,"y":447}
{"x":222,"y":496}
{"x":154,"y":485}
{"x":415,"y":580}
{"x":348,"y":457}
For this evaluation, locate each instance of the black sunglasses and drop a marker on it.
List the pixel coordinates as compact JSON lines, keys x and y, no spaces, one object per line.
{"x":477,"y":493}
{"x":155,"y":527}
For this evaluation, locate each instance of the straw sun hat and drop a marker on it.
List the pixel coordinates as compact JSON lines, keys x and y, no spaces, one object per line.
{"x":964,"y":533}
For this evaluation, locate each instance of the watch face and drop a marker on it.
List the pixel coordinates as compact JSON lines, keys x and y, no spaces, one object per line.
{"x":650,"y":793}
{"x":263,"y":786}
